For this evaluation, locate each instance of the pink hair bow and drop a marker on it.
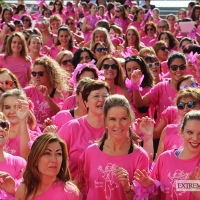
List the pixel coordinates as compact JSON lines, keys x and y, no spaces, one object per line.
{"x":41,"y":2}
{"x":192,"y":34}
{"x":80,"y":67}
{"x":146,"y":16}
{"x":193,"y":59}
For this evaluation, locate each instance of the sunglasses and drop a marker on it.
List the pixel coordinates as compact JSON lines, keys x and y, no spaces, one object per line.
{"x":8,"y":83}
{"x":64,"y":62}
{"x":182,"y":47}
{"x":4,"y":125}
{"x":107,"y":66}
{"x":150,"y":29}
{"x":156,"y":64}
{"x":190,"y":104}
{"x":164,"y":48}
{"x":57,"y":4}
{"x":34,"y":74}
{"x":71,"y":23}
{"x":192,"y":85}
{"x":102,"y":49}
{"x":175,"y":67}
{"x":26,"y":20}
{"x":117,"y":10}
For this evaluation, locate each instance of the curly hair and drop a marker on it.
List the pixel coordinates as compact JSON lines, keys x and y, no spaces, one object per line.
{"x":57,"y":75}
{"x":71,"y":42}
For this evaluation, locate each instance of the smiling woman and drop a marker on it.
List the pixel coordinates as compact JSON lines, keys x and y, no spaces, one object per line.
{"x":47,"y":174}
{"x":117,"y":154}
{"x":85,"y":130}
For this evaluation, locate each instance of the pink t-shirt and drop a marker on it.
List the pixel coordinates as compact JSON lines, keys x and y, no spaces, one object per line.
{"x":161,"y":96}
{"x":170,"y":168}
{"x":138,"y":27}
{"x":70,"y":103}
{"x":78,"y":135}
{"x":62,"y":118}
{"x":55,"y":50}
{"x":152,"y":42}
{"x":146,"y":39}
{"x":42,"y":109}
{"x":170,"y":115}
{"x":164,"y":67}
{"x":18,"y":66}
{"x":173,"y":139}
{"x":99,"y":172}
{"x":61,"y":191}
{"x":91,"y":20}
{"x":122,"y":23}
{"x":14,"y":165}
{"x":13,"y":144}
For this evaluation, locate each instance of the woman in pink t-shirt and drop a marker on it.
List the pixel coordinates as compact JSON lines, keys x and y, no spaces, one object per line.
{"x":114,"y":75}
{"x":107,"y":167}
{"x":132,"y":64}
{"x":132,"y":39}
{"x":187,"y":99}
{"x":163,"y":93}
{"x":86,"y":130}
{"x":182,"y":164}
{"x":7,"y":15}
{"x":150,"y":33}
{"x":90,"y":21}
{"x":16,"y":108}
{"x":35,"y":46}
{"x":138,"y":19}
{"x":11,"y":167}
{"x":58,"y":10}
{"x":16,"y":58}
{"x":49,"y":81}
{"x":55,"y":22}
{"x":64,"y":42}
{"x":47,"y":175}
{"x":121,"y":18}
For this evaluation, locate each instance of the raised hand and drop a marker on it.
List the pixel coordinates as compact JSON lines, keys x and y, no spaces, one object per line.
{"x":7,"y":183}
{"x":22,"y":109}
{"x":142,"y":178}
{"x":146,"y":126}
{"x":136,"y":76}
{"x":194,"y":175}
{"x":123,"y":176}
{"x":43,"y":90}
{"x":51,"y":128}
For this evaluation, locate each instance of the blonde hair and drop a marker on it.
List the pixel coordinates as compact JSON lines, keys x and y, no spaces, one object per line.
{"x":107,"y":39}
{"x":61,"y":54}
{"x":145,"y":50}
{"x":55,"y":18}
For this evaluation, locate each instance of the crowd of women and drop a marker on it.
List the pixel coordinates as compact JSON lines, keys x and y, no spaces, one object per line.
{"x":98,"y":101}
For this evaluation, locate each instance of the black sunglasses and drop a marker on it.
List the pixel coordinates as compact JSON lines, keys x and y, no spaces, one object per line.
{"x":71,"y":23}
{"x":102,"y":49}
{"x":164,"y":48}
{"x":64,"y":62}
{"x":149,"y":29}
{"x":175,"y":67}
{"x":4,"y":125}
{"x":192,"y":85}
{"x":26,"y":20}
{"x":190,"y":104}
{"x":156,"y":64}
{"x":34,"y":74}
{"x":107,"y":66}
